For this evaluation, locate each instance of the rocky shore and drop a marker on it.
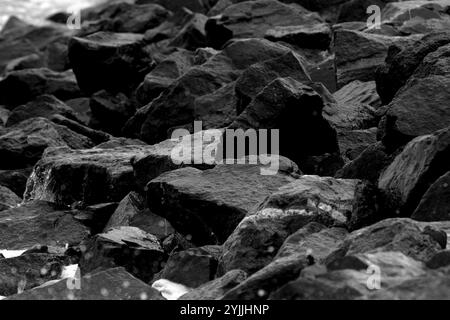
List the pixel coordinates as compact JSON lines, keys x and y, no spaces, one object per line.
{"x":359,"y":207}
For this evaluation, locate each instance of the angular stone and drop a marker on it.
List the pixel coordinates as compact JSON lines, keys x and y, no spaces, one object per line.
{"x":316,"y":36}
{"x":15,"y":180}
{"x":8,"y":199}
{"x":352,"y":143}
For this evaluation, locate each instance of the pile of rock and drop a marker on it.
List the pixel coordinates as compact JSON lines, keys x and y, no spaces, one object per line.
{"x":359,"y":207}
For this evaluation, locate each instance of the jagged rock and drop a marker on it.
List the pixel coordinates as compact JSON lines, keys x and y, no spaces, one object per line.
{"x":15,"y":49}
{"x":316,"y":36}
{"x":251,"y":19}
{"x":28,"y":271}
{"x":358,"y":92}
{"x":414,"y":170}
{"x":23,"y":144}
{"x":397,"y":13}
{"x":4,"y":114}
{"x":120,"y":142}
{"x":214,"y":290}
{"x":402,"y":235}
{"x":44,"y":106}
{"x":94,"y":135}
{"x":296,"y":110}
{"x":256,"y":77}
{"x":435,"y":204}
{"x":418,"y":109}
{"x":192,"y":267}
{"x":81,"y":107}
{"x":15,"y":180}
{"x":140,"y":253}
{"x":132,"y":212}
{"x":350,"y":116}
{"x":193,"y":34}
{"x":258,"y":237}
{"x":359,"y":54}
{"x":164,"y":74}
{"x":316,"y":243}
{"x":110,"y":111}
{"x":8,"y":199}
{"x":352,"y":143}
{"x":401,"y":63}
{"x":208,"y":205}
{"x":356,"y":10}
{"x":21,"y":86}
{"x":368,"y":165}
{"x":113,"y":61}
{"x":175,"y":106}
{"x":95,"y":217}
{"x":112,"y":284}
{"x":39,"y":223}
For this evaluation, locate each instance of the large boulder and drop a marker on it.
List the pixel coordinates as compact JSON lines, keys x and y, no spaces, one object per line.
{"x":24,"y":143}
{"x":258,"y":237}
{"x":19,"y":87}
{"x":140,"y":253}
{"x":414,"y":170}
{"x":112,"y":284}
{"x":208,"y":205}
{"x":39,"y":223}
{"x":105,"y":60}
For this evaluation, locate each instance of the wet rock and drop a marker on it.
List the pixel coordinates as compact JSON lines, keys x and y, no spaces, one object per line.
{"x":258,"y":237}
{"x":435,"y":205}
{"x":28,"y":271}
{"x":39,"y":223}
{"x":138,"y":252}
{"x":414,"y":170}
{"x":296,"y":110}
{"x":215,"y":290}
{"x":208,"y":205}
{"x":24,"y":143}
{"x":22,"y":86}
{"x":113,"y":61}
{"x":402,"y":62}
{"x":316,"y":243}
{"x":418,"y":109}
{"x":112,"y":284}
{"x":192,"y":267}
{"x":133,"y":212}
{"x":44,"y":106}
{"x":15,"y":180}
{"x":110,"y":111}
{"x":8,"y":199}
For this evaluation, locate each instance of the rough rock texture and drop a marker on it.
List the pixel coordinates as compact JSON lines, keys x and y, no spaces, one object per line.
{"x":8,"y":199}
{"x":208,"y":205}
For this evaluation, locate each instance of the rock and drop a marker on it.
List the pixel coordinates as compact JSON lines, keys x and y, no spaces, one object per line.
{"x":358,"y":92}
{"x":402,"y":62}
{"x":112,"y":284}
{"x":359,"y":54}
{"x":44,"y":106}
{"x":163,"y":75}
{"x":256,"y":77}
{"x":4,"y":114}
{"x":31,"y":61}
{"x":22,"y":86}
{"x":316,"y":36}
{"x":222,"y":197}
{"x":251,"y":19}
{"x":23,"y":144}
{"x":28,"y":271}
{"x":120,"y":142}
{"x":418,"y":109}
{"x":193,"y":34}
{"x":352,"y":143}
{"x":414,"y":170}
{"x":439,"y":260}
{"x":215,"y":290}
{"x":350,"y":116}
{"x":316,"y":243}
{"x":138,"y":252}
{"x":39,"y":223}
{"x":368,"y":165}
{"x":132,"y":212}
{"x":95,"y":217}
{"x":397,"y":234}
{"x":179,"y":5}
{"x":175,"y":106}
{"x":356,"y":10}
{"x":193,"y":267}
{"x":296,"y":110}
{"x":8,"y":199}
{"x":15,"y":180}
{"x":81,"y":107}
{"x":110,"y":111}
{"x":112,"y":61}
{"x":397,"y":13}
{"x":256,"y":240}
{"x":435,"y":205}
